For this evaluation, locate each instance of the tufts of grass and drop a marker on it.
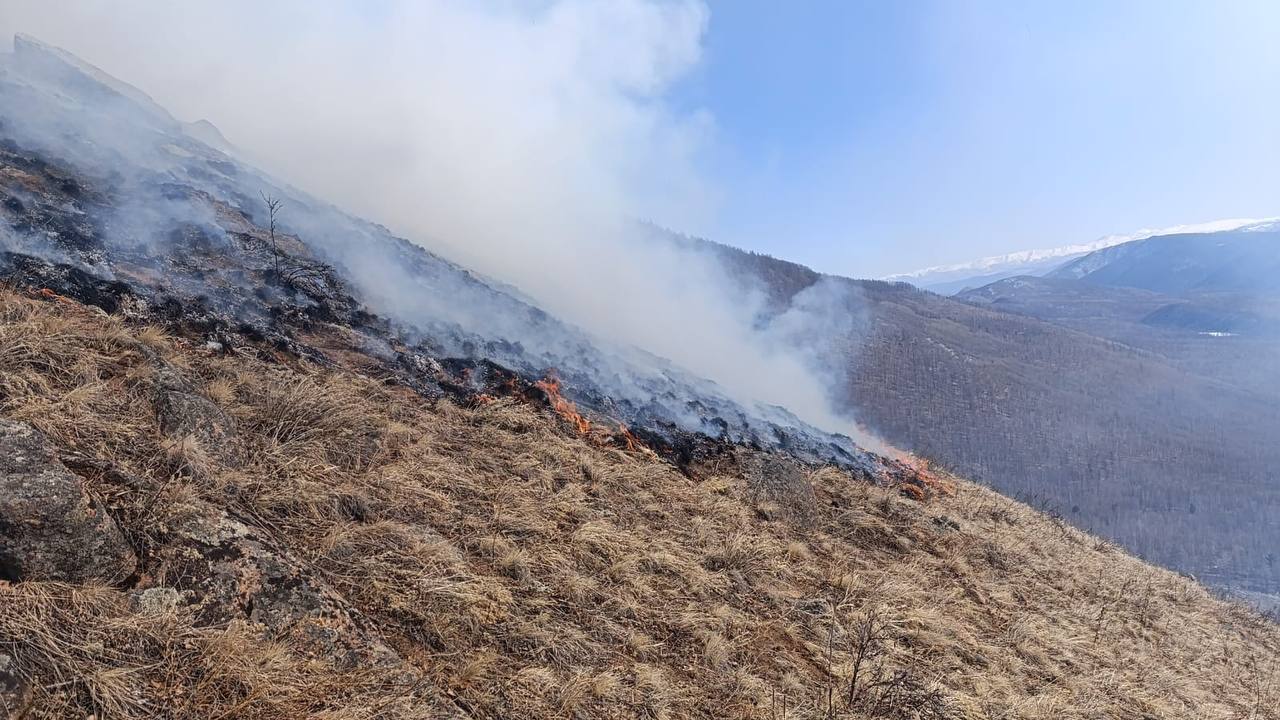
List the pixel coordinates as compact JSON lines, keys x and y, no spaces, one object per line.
{"x":531,"y":574}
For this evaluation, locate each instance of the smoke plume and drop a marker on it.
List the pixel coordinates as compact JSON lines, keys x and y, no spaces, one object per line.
{"x":518,"y":139}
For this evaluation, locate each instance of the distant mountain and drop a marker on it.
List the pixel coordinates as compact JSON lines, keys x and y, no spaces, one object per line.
{"x":1111,"y":312}
{"x":1246,"y":260}
{"x":951,"y":279}
{"x":1231,"y":337}
{"x":1208,"y":303}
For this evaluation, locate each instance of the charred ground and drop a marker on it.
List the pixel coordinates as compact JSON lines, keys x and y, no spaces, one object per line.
{"x":236,"y":289}
{"x":108,"y":200}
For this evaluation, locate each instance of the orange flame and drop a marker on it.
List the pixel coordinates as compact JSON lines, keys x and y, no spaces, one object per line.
{"x":47,"y":294}
{"x":632,"y":442}
{"x":912,"y":491}
{"x":934,"y":479}
{"x":927,"y":477}
{"x":600,"y":436}
{"x":563,"y":407}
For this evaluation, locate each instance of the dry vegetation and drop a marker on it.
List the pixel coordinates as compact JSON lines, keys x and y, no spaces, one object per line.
{"x":526,"y":573}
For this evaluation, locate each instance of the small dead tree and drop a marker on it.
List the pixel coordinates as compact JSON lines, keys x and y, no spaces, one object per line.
{"x":273,"y":208}
{"x":866,"y":646}
{"x":901,"y":696}
{"x":874,"y":691}
{"x":298,"y":273}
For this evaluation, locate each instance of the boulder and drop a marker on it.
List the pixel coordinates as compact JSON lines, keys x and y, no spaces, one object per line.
{"x":184,"y":413}
{"x":50,"y":528}
{"x":155,"y":601}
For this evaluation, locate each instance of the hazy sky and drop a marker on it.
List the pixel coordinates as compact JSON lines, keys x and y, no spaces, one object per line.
{"x":862,"y":138}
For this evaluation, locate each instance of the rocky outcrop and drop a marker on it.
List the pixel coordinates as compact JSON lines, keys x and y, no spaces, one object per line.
{"x":50,"y":528}
{"x":217,"y":565}
{"x":223,"y":567}
{"x":779,"y":487}
{"x":15,"y":692}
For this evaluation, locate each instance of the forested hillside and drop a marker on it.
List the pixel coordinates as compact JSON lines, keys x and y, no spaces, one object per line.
{"x":1175,"y":466}
{"x":1243,"y":260}
{"x":1230,"y":337}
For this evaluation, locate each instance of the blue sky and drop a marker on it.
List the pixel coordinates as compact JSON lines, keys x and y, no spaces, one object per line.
{"x":867,"y":138}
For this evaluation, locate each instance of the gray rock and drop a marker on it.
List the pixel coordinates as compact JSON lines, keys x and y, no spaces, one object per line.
{"x":15,"y":692}
{"x":945,"y":524}
{"x":184,"y":413}
{"x":155,"y":601}
{"x":813,"y":606}
{"x":223,"y":568}
{"x":50,"y":529}
{"x":780,"y":487}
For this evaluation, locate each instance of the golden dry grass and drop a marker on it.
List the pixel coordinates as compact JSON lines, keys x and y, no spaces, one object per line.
{"x":528,"y":573}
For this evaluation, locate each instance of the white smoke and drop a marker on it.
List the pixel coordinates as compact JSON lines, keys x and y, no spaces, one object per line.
{"x":519,"y":139}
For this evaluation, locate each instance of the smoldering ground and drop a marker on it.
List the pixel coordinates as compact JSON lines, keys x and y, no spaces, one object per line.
{"x":518,"y":139}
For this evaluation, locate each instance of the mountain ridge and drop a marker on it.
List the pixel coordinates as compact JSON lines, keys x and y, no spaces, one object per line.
{"x":950,"y":278}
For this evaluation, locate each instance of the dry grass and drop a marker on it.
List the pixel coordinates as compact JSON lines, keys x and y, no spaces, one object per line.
{"x":99,"y":657}
{"x":529,"y":573}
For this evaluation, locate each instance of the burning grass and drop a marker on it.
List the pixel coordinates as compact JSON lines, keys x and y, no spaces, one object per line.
{"x":561,"y":405}
{"x":522,"y":571}
{"x":598,"y":434}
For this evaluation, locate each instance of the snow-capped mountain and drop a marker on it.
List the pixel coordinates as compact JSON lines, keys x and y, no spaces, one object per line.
{"x":1243,"y":260}
{"x":950,"y":279}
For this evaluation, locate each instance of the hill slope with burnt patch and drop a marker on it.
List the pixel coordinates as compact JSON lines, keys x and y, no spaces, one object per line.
{"x":106,"y":198}
{"x":306,"y":541}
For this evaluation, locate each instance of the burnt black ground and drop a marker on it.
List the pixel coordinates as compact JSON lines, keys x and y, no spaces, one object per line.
{"x":107,"y":201}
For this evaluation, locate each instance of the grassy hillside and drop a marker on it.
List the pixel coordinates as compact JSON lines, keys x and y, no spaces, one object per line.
{"x":332,"y":546}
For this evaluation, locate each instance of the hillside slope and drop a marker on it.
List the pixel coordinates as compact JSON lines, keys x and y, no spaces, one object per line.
{"x":308,"y":542}
{"x":106,"y":198}
{"x":1176,"y":466}
{"x":1159,"y":448}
